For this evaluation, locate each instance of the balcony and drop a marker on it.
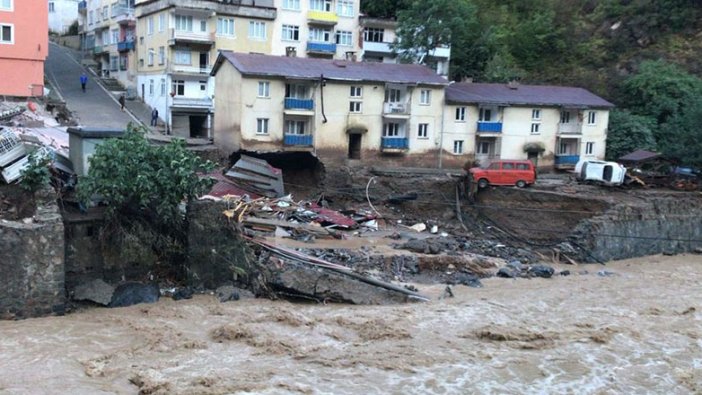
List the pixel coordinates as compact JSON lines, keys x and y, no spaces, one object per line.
{"x":124,"y":15}
{"x":321,"y":48}
{"x":82,"y":7}
{"x":322,"y":17}
{"x":394,"y":143}
{"x":441,"y":52}
{"x":489,"y":127}
{"x":396,"y":110}
{"x":204,"y":103}
{"x":566,"y":161}
{"x":300,"y":140}
{"x":298,"y":104}
{"x":181,"y":69}
{"x":124,"y":46}
{"x":189,"y":37}
{"x":377,"y":48}
{"x":99,"y":49}
{"x":570,"y":128}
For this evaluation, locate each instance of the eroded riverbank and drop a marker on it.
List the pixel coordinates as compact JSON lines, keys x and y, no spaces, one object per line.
{"x":637,"y":330}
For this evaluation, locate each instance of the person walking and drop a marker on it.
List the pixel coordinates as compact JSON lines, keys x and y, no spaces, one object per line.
{"x":83,"y":81}
{"x":121,"y":102}
{"x":154,"y":117}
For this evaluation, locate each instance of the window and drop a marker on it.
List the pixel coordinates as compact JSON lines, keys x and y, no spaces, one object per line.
{"x":163,"y":87}
{"x":391,"y":129}
{"x":344,"y":38}
{"x":115,"y":36}
{"x":589,"y":148}
{"x":114,"y":63}
{"x":7,"y":34}
{"x":161,"y":22}
{"x":507,"y":166}
{"x":425,"y":97}
{"x":203,"y":25}
{"x":356,"y":91}
{"x":563,"y":149}
{"x":344,"y":8}
{"x":291,"y":4}
{"x":179,"y":87}
{"x":535,"y":128}
{"x":183,"y":23}
{"x":264,"y":89}
{"x":523,"y":166}
{"x":151,"y":57}
{"x":423,"y":131}
{"x":591,"y":118}
{"x":321,"y":5}
{"x":182,"y":57}
{"x":51,"y":7}
{"x":392,"y":95}
{"x":484,"y":148}
{"x":151,"y":87}
{"x":113,"y":9}
{"x":536,"y":114}
{"x":203,"y":86}
{"x":460,"y":114}
{"x":225,"y":26}
{"x":257,"y":30}
{"x":161,"y":55}
{"x":565,"y":116}
{"x":458,"y":147}
{"x":373,"y":34}
{"x":355,"y":106}
{"x":320,"y":35}
{"x":105,"y":14}
{"x":123,"y":62}
{"x":485,"y":115}
{"x":297,"y":91}
{"x":262,"y":126}
{"x":90,"y":17}
{"x":291,"y":33}
{"x":294,"y":127}
{"x":6,"y":5}
{"x":150,"y":25}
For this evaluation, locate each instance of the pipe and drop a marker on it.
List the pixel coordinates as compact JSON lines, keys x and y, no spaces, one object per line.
{"x":321,"y":94}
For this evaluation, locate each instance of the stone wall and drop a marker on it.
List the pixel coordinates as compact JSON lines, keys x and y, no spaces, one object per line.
{"x":661,"y":224}
{"x":32,"y":263}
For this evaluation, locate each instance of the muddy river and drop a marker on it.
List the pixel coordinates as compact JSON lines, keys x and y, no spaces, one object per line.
{"x":637,"y":330}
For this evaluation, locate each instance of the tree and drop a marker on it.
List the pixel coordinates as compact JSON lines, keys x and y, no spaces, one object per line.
{"x":383,"y":8}
{"x":629,"y":132}
{"x":681,"y":137}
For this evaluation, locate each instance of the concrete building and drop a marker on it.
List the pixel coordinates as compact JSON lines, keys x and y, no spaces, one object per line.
{"x":62,"y":14}
{"x":378,"y":35}
{"x":342,"y":111}
{"x":24,"y":45}
{"x":177,"y":43}
{"x":317,"y":29}
{"x":514,"y":121}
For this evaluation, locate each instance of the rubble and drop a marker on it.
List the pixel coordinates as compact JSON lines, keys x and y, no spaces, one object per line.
{"x":131,"y":293}
{"x":96,"y":291}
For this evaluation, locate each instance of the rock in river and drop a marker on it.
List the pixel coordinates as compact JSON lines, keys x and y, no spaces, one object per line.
{"x":131,"y":293}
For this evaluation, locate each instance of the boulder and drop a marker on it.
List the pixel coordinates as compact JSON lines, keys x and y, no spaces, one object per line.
{"x":132,"y":293}
{"x":183,"y":293}
{"x":542,"y":271}
{"x":96,"y":291}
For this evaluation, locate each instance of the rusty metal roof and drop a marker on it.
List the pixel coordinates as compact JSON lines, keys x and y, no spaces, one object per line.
{"x":341,"y":70}
{"x":518,"y":94}
{"x":639,"y":156}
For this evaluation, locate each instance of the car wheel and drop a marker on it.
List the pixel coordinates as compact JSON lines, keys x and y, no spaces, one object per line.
{"x":521,"y":184}
{"x":482,"y":183}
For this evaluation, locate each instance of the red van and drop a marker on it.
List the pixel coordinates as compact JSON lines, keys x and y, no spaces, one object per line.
{"x":505,"y":172}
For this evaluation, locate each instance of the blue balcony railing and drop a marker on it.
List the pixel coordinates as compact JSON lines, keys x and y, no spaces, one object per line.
{"x":394,"y":143}
{"x":493,"y":127}
{"x":567,"y":160}
{"x":304,"y":140}
{"x":321,"y":47}
{"x":298,"y":104}
{"x":124,"y":46}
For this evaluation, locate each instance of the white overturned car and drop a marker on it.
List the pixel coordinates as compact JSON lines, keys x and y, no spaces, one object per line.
{"x":607,"y":173}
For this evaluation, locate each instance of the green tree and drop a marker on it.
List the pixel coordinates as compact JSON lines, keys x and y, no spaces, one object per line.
{"x":536,"y":40}
{"x":628,"y":133}
{"x":36,"y":174}
{"x":383,"y":8}
{"x":681,"y":137}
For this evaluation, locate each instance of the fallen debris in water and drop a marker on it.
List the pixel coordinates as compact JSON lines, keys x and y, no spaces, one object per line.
{"x":96,"y":291}
{"x":132,"y":293}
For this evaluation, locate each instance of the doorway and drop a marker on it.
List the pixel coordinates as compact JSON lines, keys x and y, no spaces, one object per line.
{"x":355,"y":145}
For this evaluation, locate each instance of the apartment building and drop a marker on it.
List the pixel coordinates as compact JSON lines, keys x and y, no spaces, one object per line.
{"x":317,"y":29}
{"x":62,"y":14}
{"x":177,"y":43}
{"x":109,"y":30}
{"x":339,"y":110}
{"x":377,"y":36}
{"x":555,"y":125}
{"x":24,"y":45}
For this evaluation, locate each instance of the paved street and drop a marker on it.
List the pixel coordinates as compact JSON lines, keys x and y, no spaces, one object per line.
{"x":93,"y":108}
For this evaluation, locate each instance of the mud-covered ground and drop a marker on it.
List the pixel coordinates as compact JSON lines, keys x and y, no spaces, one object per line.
{"x":636,"y":328}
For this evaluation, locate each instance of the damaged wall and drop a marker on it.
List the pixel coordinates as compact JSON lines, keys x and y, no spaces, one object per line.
{"x":32,"y":265}
{"x":661,"y":224}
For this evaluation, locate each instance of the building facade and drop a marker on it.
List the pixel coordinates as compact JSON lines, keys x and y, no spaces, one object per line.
{"x":552,"y":124}
{"x":62,"y":14}
{"x":24,"y":45}
{"x":339,"y":110}
{"x":177,"y":43}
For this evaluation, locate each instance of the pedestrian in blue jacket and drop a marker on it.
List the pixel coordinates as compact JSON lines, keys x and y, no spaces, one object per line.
{"x":83,"y":81}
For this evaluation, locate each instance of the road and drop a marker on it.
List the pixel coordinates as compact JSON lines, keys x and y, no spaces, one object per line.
{"x":93,"y":108}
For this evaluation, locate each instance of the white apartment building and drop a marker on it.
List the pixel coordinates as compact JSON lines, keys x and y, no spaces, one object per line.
{"x":62,"y":14}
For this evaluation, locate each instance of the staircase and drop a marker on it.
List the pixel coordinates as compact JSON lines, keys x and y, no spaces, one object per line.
{"x":112,"y":84}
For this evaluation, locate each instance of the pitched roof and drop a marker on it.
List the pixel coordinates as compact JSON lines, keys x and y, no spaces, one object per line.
{"x":341,"y":70}
{"x":535,"y":95}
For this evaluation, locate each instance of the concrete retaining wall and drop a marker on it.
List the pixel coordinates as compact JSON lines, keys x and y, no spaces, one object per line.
{"x":32,"y":264}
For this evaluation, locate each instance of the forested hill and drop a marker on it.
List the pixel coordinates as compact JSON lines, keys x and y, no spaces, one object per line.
{"x":643,"y":55}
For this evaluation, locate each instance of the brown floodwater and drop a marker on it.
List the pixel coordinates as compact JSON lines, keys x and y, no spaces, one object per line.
{"x":638,"y":330}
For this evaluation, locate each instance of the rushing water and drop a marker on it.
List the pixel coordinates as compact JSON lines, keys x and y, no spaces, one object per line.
{"x":637,"y":331}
